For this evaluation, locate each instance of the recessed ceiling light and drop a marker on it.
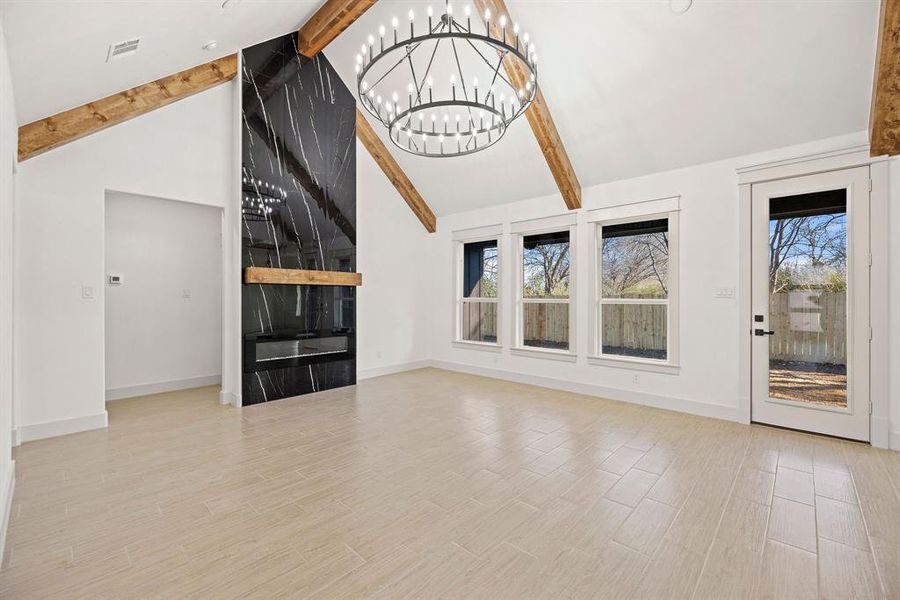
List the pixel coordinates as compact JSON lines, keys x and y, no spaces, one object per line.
{"x":679,"y":7}
{"x":210,"y":45}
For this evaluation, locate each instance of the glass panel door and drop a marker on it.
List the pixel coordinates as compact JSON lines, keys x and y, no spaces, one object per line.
{"x":810,"y":303}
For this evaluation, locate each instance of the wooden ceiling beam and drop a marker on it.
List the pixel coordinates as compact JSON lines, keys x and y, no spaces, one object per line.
{"x":383,"y":157}
{"x":538,"y":115}
{"x":330,"y":20}
{"x":43,"y":135}
{"x":884,"y":118}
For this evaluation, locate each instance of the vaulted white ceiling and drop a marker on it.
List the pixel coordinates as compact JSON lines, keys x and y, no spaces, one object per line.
{"x":58,"y":48}
{"x":633,"y":87}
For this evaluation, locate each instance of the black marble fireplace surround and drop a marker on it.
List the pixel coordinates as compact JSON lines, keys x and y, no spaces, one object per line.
{"x":299,"y":157}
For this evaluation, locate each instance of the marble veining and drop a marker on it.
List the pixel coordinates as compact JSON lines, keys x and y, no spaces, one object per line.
{"x":298,"y":185}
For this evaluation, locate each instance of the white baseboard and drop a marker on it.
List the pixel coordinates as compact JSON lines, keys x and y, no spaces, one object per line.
{"x":693,"y":407}
{"x":391,"y":369}
{"x":895,"y":440}
{"x":8,"y":487}
{"x":159,"y":387}
{"x":229,"y":398}
{"x":39,"y":431}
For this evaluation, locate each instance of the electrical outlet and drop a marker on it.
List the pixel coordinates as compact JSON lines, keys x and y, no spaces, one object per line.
{"x":635,"y":379}
{"x":185,"y":293}
{"x":87,"y":292}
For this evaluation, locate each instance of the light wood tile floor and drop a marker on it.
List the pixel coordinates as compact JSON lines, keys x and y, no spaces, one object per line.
{"x":433,"y":484}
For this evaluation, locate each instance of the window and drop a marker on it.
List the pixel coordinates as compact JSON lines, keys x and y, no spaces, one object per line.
{"x":545,"y":319}
{"x":478,"y":308}
{"x":636,"y":288}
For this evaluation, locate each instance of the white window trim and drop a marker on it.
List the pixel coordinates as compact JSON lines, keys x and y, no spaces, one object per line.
{"x":673,"y":316}
{"x":545,"y":224}
{"x":634,"y":211}
{"x":545,"y":353}
{"x":533,"y":227}
{"x":460,"y":239}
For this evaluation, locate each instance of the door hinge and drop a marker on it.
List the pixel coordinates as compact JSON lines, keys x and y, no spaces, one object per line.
{"x":870,"y":408}
{"x":870,"y":334}
{"x":870,"y":259}
{"x":870,"y":184}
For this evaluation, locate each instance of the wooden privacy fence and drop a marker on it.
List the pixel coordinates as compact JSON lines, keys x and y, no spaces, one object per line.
{"x":547,"y":322}
{"x":479,"y":321}
{"x":809,"y":326}
{"x":634,"y":326}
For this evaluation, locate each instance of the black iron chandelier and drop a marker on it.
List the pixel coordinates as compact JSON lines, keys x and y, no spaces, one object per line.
{"x":459,"y":97}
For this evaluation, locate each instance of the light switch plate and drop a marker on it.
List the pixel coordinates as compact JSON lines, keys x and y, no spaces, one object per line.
{"x":87,"y":292}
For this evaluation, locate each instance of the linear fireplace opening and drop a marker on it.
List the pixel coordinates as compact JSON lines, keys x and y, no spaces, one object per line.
{"x":305,"y":346}
{"x":280,"y":349}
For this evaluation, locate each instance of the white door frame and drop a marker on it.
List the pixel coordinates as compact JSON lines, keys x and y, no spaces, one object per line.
{"x":833,"y":159}
{"x":853,"y":421}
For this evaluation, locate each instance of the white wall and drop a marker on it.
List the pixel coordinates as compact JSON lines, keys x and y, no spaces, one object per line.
{"x":392,"y":319}
{"x":894,"y":304}
{"x":181,"y":152}
{"x":164,"y":321}
{"x":8,"y":145}
{"x":709,"y":379}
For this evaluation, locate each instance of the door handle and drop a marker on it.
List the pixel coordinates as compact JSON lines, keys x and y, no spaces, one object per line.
{"x":762,"y":332}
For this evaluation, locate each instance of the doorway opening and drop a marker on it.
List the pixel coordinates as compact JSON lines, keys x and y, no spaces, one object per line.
{"x":163,"y":296}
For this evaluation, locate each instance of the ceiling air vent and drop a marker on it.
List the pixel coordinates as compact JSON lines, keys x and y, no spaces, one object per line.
{"x":122,"y":49}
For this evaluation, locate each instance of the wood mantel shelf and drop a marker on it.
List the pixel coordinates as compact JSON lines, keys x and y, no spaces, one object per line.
{"x":300,"y":277}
